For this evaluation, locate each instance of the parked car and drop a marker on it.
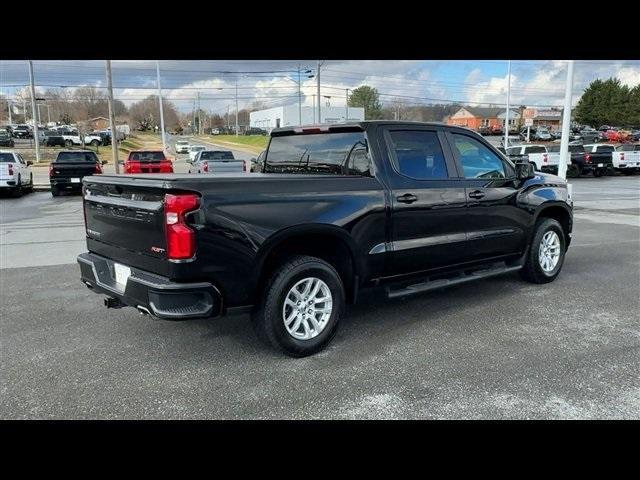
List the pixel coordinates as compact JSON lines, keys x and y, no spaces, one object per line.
{"x":626,"y":159}
{"x":297,"y":243}
{"x":6,"y":140}
{"x":94,"y":139}
{"x":216,"y":161}
{"x":15,"y":173}
{"x":70,"y":167}
{"x":22,"y":131}
{"x":53,"y":138}
{"x":182,"y":146}
{"x":255,"y":131}
{"x":147,"y":161}
{"x":194,"y":149}
{"x":600,"y":158}
{"x":577,"y":161}
{"x":537,"y":155}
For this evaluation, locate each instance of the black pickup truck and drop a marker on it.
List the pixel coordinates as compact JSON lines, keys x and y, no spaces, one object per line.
{"x":397,"y":207}
{"x":70,"y":167}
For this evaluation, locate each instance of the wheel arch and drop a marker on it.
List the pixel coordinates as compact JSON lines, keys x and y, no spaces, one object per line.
{"x":328,"y":242}
{"x":560,"y":212}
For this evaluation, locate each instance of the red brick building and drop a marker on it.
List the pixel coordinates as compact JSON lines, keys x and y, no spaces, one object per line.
{"x":477,"y":117}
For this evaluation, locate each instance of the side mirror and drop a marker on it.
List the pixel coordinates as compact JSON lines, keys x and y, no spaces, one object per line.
{"x":524,"y":171}
{"x":120,"y":162}
{"x":104,"y":162}
{"x":29,"y":162}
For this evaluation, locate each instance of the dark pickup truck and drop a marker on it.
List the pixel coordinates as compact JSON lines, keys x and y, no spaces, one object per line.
{"x":70,"y":167}
{"x":598,"y":158}
{"x":393,"y":207}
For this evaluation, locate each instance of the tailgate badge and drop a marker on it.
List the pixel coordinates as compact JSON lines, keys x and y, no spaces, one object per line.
{"x":157,"y":250}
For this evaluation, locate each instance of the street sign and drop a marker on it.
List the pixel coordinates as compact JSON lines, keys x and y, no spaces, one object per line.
{"x":528,"y":122}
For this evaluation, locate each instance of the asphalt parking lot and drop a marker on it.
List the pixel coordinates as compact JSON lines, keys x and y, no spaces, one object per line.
{"x":501,"y":348}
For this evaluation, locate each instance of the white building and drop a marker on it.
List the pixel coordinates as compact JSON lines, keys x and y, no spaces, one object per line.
{"x":288,"y":116}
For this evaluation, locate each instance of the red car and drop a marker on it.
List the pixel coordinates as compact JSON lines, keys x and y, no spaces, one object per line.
{"x":147,"y":161}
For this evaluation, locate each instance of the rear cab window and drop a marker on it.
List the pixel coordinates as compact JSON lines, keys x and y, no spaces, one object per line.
{"x":7,"y":158}
{"x":605,"y":148}
{"x":147,"y":156}
{"x":337,"y":153}
{"x":216,"y":155}
{"x":75,"y":157}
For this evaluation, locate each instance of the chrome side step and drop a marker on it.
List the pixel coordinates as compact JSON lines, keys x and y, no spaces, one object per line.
{"x":447,"y":282}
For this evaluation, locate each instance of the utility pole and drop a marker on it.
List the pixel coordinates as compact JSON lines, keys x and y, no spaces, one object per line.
{"x":33,"y":108}
{"x":198,"y":112}
{"x":9,"y":104}
{"x":299,"y":97}
{"x":24,"y":109}
{"x":164,"y":145}
{"x":237,"y":128}
{"x":346,"y":113}
{"x":228,"y":117}
{"x":319,"y":97}
{"x":48,"y":113}
{"x":566,"y":123}
{"x":112,"y":120}
{"x":506,"y":118}
{"x":314,"y":107}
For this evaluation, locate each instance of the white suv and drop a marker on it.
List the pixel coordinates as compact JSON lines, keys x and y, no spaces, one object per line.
{"x":182,"y":146}
{"x":15,"y":173}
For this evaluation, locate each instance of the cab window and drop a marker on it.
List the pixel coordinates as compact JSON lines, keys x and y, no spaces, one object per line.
{"x":478,"y":161}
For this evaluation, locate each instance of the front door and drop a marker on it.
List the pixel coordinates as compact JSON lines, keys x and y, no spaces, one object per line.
{"x":495,"y":224}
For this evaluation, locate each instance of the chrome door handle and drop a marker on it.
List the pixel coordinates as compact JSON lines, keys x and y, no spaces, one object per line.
{"x":407,"y":198}
{"x":476,"y":194}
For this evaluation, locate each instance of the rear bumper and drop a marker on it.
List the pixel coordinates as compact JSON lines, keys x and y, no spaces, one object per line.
{"x":149,"y":292}
{"x":7,"y":183}
{"x":66,"y":182}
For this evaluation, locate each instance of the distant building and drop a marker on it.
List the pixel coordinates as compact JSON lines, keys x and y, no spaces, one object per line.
{"x":550,"y":118}
{"x":288,"y":116}
{"x":98,"y":123}
{"x":478,"y":117}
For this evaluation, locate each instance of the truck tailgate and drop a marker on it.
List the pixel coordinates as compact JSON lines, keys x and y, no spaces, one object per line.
{"x":125,"y":221}
{"x":225,"y":166}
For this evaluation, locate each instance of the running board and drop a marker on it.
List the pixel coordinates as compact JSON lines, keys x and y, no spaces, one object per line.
{"x":447,"y":282}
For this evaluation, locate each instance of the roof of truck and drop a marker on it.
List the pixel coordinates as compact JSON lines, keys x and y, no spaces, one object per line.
{"x":361,"y":125}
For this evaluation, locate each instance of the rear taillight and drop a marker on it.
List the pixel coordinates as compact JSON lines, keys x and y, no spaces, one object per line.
{"x":621,"y":155}
{"x":205,"y":167}
{"x":545,"y":158}
{"x":244,"y":166}
{"x":587,"y":158}
{"x":181,"y":239}
{"x":10,"y":169}
{"x":98,"y":168}
{"x":50,"y":169}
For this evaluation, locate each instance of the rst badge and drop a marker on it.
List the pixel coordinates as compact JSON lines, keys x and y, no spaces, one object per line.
{"x":157,"y":250}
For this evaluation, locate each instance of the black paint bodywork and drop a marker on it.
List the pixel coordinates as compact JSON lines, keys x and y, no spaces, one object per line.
{"x":243,"y":220}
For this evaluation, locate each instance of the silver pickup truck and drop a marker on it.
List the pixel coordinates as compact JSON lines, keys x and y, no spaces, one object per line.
{"x":216,"y":161}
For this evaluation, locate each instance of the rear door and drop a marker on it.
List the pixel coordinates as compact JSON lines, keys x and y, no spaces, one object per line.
{"x":428,"y":201}
{"x":495,"y":225}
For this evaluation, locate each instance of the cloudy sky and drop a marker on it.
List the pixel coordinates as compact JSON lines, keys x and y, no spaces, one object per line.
{"x":533,"y":83}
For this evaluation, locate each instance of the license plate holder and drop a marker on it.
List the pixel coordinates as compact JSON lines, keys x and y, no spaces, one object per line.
{"x":600,"y":165}
{"x":122,"y":274}
{"x":75,"y":180}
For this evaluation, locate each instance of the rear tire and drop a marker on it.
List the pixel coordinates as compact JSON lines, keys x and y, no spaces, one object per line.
{"x":533,"y":270}
{"x":68,"y":143}
{"x":17,"y":192}
{"x":55,"y":192}
{"x":269,"y":318}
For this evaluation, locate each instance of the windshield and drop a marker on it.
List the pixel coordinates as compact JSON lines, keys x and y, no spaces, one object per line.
{"x":219,"y":155}
{"x":197,"y":149}
{"x":71,"y":157}
{"x":513,"y":150}
{"x":7,"y":158}
{"x":146,"y":156}
{"x":182,"y":142}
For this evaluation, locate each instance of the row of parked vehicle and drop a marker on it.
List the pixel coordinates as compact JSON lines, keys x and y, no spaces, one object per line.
{"x":597,"y":159}
{"x":584,"y":134}
{"x":62,"y":135}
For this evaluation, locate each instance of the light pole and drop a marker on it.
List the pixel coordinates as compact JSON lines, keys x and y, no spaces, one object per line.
{"x":346,"y":105}
{"x":33,"y":109}
{"x":506,"y":120}
{"x":9,"y":105}
{"x":318,"y":84}
{"x":237,"y":127}
{"x":164,"y":145}
{"x":112,"y":120}
{"x":306,"y":72}
{"x":566,"y":123}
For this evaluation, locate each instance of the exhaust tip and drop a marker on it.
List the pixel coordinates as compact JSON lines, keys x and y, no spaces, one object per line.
{"x":143,"y":310}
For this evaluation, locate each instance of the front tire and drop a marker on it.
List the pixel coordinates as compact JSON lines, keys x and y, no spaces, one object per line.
{"x":301,"y":306}
{"x":546,"y":253}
